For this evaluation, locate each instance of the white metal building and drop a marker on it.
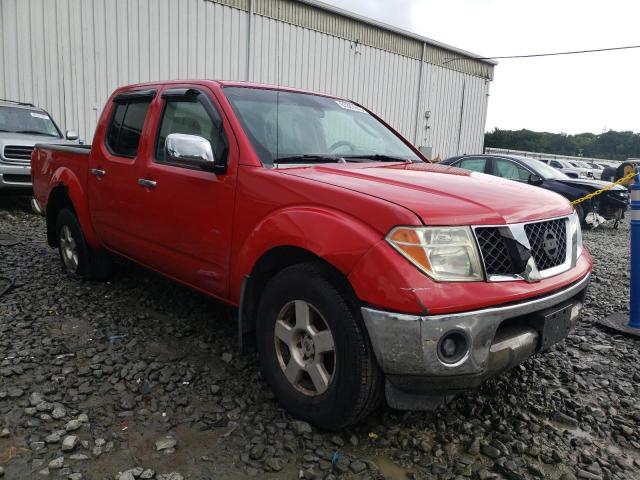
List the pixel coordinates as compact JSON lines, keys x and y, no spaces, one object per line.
{"x":68,"y":55}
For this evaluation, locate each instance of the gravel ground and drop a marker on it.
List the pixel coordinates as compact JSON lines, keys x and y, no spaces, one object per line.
{"x":139,"y":378}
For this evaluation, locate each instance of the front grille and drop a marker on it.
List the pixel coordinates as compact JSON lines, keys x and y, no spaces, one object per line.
{"x":18,"y":154}
{"x":495,"y":252}
{"x":548,"y":242}
{"x":504,"y":256}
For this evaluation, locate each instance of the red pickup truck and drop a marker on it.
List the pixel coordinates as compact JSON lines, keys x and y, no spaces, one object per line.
{"x":358,"y":268}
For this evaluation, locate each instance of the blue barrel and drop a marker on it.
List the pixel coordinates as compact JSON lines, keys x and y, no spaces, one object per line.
{"x":634,"y":293}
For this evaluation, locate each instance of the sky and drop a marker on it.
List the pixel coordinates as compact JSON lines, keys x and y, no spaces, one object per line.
{"x":568,"y":94}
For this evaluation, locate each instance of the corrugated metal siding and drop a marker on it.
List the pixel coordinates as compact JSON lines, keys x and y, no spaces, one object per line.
{"x":308,"y":16}
{"x":68,"y":55}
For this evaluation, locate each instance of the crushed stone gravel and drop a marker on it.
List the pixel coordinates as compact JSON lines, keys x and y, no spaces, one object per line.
{"x":139,"y":378}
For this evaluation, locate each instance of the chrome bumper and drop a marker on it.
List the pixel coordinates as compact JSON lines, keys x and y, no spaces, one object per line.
{"x":7,"y":171}
{"x":406,"y":346}
{"x":36,"y":207}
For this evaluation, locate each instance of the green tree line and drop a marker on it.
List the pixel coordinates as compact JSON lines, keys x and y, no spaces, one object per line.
{"x":612,"y":144}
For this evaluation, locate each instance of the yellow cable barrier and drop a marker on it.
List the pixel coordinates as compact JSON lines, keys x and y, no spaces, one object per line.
{"x":624,"y":179}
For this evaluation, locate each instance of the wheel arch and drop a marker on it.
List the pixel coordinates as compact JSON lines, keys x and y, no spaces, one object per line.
{"x":58,"y":199}
{"x":65,"y":190}
{"x":268,"y":265}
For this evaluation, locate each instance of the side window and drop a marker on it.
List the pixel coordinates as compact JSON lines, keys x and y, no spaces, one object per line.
{"x":473,"y":164}
{"x":189,"y":115}
{"x":555,"y":164}
{"x":125,"y":128}
{"x":510,"y":170}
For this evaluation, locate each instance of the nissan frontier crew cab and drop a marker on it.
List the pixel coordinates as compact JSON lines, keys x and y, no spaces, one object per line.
{"x":358,"y":268}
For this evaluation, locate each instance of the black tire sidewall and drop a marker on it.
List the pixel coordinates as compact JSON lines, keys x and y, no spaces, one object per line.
{"x":581,"y":216}
{"x":68,"y":218}
{"x":332,"y":408}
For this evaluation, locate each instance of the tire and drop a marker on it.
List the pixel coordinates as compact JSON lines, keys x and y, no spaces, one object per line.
{"x":353,"y":379}
{"x":78,"y":259}
{"x":582,"y":217}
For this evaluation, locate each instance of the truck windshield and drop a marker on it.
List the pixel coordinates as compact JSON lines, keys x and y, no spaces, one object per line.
{"x":285,"y":127}
{"x":22,"y":120}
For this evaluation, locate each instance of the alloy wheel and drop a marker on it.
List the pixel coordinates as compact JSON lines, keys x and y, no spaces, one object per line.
{"x":305,"y":348}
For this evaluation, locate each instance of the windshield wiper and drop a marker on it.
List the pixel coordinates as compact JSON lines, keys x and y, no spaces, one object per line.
{"x":379,"y":157}
{"x":35,"y":132}
{"x":309,"y":159}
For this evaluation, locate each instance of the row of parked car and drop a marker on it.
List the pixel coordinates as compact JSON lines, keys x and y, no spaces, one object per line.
{"x":611,"y":205}
{"x":578,"y":168}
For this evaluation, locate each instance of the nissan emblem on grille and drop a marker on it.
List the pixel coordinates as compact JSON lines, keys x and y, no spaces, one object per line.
{"x":508,"y":250}
{"x":550,"y":244}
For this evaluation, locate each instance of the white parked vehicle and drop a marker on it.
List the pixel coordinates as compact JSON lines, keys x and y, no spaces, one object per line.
{"x":595,"y":171}
{"x":568,"y":169}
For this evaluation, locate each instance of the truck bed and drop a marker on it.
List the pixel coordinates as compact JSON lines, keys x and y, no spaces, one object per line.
{"x":50,"y":161}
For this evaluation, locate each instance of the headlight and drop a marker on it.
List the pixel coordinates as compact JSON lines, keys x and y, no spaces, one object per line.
{"x":447,"y":254}
{"x":582,"y":174}
{"x":575,"y":228}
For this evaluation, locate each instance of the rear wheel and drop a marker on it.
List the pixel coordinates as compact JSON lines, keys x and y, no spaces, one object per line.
{"x":78,"y":259}
{"x":314,"y":349}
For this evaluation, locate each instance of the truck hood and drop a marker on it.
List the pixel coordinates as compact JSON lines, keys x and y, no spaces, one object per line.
{"x":440,"y":194}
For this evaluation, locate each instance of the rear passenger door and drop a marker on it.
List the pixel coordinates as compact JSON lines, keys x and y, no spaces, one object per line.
{"x":113,"y":172}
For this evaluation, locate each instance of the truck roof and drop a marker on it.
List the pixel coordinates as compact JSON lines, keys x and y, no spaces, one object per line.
{"x":229,"y":83}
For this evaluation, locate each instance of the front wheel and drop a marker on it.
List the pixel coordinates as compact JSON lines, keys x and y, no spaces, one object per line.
{"x":314,"y":349}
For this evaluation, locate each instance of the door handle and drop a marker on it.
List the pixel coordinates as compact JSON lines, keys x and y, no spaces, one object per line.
{"x":98,"y":172}
{"x":145,"y":182}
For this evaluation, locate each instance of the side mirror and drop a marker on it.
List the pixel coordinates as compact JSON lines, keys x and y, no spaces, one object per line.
{"x":192,"y":150}
{"x":535,"y":179}
{"x":71,"y":135}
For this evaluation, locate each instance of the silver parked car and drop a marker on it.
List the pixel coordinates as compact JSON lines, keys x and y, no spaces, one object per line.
{"x":568,"y":169}
{"x":22,"y":125}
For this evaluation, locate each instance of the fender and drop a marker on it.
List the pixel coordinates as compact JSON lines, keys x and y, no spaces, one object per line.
{"x":64,"y":176}
{"x":332,"y":235}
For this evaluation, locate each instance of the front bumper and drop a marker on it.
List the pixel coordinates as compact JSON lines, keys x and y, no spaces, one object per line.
{"x":15,"y":177}
{"x":498,"y":338}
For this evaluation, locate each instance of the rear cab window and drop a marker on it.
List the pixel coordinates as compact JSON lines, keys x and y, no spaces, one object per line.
{"x":125,"y":127}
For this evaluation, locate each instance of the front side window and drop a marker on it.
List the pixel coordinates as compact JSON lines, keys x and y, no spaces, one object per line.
{"x":29,"y":122}
{"x":125,"y":129}
{"x":510,"y":170}
{"x":282,"y":125}
{"x":473,"y":164}
{"x":188,"y":115}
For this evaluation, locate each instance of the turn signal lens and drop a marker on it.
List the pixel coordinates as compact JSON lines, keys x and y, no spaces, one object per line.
{"x":444,"y":253}
{"x":407,"y":242}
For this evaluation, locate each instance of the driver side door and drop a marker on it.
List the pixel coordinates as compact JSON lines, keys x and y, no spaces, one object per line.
{"x":188,"y":211}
